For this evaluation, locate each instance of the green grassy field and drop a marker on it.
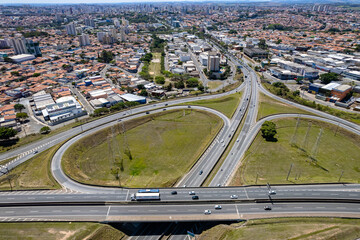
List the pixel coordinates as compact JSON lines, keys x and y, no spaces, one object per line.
{"x":214,"y":84}
{"x":227,"y":104}
{"x":269,"y":106}
{"x":157,"y":150}
{"x":286,"y":228}
{"x":155,"y":66}
{"x":59,"y":231}
{"x":337,"y":152}
{"x":32,"y":174}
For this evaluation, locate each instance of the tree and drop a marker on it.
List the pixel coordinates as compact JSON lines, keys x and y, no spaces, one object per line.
{"x":6,"y":133}
{"x":201,"y":87}
{"x":15,"y":73}
{"x":45,"y":130}
{"x":143,"y":93}
{"x":168,"y":87}
{"x":19,"y":107}
{"x":36,"y":74}
{"x":268,"y":130}
{"x":329,"y":77}
{"x":140,"y":86}
{"x":159,"y":79}
{"x":101,"y":111}
{"x":106,"y":56}
{"x":232,"y":31}
{"x":262,"y":44}
{"x":192,"y":82}
{"x":22,"y":116}
{"x":179,"y":84}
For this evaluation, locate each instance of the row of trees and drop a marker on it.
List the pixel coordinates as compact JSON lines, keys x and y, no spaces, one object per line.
{"x":116,"y":107}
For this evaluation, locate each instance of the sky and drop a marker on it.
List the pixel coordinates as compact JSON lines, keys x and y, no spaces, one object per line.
{"x":84,"y":1}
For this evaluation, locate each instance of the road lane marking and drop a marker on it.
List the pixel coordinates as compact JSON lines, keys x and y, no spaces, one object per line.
{"x":246,"y":193}
{"x":108,"y":211}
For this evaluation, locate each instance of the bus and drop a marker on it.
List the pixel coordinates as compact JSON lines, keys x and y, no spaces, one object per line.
{"x":148,"y":191}
{"x":145,"y":196}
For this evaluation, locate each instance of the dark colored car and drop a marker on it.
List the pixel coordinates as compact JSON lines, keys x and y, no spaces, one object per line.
{"x":195,"y":197}
{"x":173,"y":192}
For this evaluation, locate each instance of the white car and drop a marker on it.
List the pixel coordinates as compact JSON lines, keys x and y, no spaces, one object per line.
{"x":192,"y":193}
{"x":218,"y":207}
{"x":272,"y":192}
{"x":207,"y":212}
{"x":234,"y":196}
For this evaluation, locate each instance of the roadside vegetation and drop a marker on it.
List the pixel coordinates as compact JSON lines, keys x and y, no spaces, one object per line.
{"x":226,"y":104}
{"x":156,"y":150}
{"x":269,"y":106}
{"x":32,"y":174}
{"x":314,"y":155}
{"x":279,"y":88}
{"x":59,"y":230}
{"x":286,"y":228}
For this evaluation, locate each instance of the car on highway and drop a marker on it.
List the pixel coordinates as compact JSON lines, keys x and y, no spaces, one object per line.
{"x":173,"y":192}
{"x":195,"y":197}
{"x":267,"y":208}
{"x":192,"y":193}
{"x":222,"y":140}
{"x":189,"y":106}
{"x":147,"y":112}
{"x":35,"y":152}
{"x":234,"y":196}
{"x":237,"y":140}
{"x":166,"y":104}
{"x":201,"y":172}
{"x":219,"y":185}
{"x":207,"y":212}
{"x":272,"y":192}
{"x":164,"y":109}
{"x":217,"y":207}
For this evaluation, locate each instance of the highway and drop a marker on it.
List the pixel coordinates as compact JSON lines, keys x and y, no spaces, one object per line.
{"x":79,"y":202}
{"x":175,"y":213}
{"x":26,"y":152}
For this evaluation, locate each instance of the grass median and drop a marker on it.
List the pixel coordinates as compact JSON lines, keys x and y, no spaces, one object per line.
{"x":269,"y":106}
{"x":314,"y":159}
{"x":155,"y":150}
{"x":226,"y":104}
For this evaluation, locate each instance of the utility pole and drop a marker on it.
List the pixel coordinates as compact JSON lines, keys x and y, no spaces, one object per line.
{"x":304,"y":145}
{"x":287,"y":178}
{"x":316,"y":146}
{"x":293,"y":139}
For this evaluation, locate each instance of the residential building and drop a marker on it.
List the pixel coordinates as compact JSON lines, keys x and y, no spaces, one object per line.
{"x":90,"y":22}
{"x":84,"y":40}
{"x":70,"y":29}
{"x":213,"y":62}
